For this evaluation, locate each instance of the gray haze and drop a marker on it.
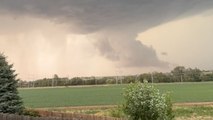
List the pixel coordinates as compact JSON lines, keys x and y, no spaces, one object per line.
{"x":116,"y":22}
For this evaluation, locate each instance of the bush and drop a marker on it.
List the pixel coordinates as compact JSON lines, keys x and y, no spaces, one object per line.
{"x":117,"y":112}
{"x":144,"y":102}
{"x":30,"y":112}
{"x":111,"y":81}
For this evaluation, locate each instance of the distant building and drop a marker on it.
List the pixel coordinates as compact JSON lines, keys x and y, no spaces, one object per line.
{"x":207,"y":72}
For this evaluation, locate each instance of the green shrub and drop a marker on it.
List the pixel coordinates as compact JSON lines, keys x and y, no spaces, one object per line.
{"x":30,"y":112}
{"x":111,"y":81}
{"x":144,"y":102}
{"x":117,"y":112}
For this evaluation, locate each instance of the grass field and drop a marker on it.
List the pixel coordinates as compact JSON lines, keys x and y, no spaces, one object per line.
{"x":110,"y":95}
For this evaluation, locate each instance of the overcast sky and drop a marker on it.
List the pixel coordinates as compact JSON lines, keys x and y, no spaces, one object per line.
{"x":105,"y":37}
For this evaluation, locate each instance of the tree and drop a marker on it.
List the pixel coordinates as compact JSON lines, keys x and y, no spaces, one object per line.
{"x":55,"y":80}
{"x":178,"y":73}
{"x":193,"y":75}
{"x":160,"y":77}
{"x":207,"y":76}
{"x":145,"y":76}
{"x":144,"y":102}
{"x":10,"y":102}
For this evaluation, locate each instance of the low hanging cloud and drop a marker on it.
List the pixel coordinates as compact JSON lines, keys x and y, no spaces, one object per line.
{"x":105,"y":49}
{"x":118,"y":22}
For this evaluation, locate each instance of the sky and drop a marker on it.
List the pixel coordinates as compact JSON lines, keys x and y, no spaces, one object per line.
{"x":105,"y":37}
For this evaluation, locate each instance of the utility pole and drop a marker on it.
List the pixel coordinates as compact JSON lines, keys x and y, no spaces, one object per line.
{"x":181,"y":78}
{"x":52,"y":82}
{"x":33,"y":83}
{"x":56,"y":82}
{"x":152,"y":78}
{"x":95,"y":81}
{"x":122,"y":80}
{"x":136,"y":78}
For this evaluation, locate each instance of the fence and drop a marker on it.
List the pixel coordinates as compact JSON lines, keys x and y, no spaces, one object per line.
{"x":75,"y":116}
{"x":46,"y":115}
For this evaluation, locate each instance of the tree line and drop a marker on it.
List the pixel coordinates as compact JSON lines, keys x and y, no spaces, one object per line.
{"x":178,"y":74}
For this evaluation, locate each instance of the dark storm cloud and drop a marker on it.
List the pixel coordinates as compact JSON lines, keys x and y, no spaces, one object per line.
{"x":88,"y":16}
{"x":93,"y":15}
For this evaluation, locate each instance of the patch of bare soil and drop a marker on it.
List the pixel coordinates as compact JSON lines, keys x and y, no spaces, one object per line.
{"x":194,"y":104}
{"x":74,"y":86}
{"x":195,"y":118}
{"x":111,"y":106}
{"x":81,"y":107}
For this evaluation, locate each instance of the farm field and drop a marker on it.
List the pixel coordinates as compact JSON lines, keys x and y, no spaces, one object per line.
{"x":109,"y":95}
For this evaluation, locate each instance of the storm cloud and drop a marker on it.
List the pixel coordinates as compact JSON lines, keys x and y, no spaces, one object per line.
{"x":94,"y":15}
{"x":117,"y":22}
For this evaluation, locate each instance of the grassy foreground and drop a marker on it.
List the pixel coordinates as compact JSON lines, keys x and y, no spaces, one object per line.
{"x":201,"y":112}
{"x":109,"y":95}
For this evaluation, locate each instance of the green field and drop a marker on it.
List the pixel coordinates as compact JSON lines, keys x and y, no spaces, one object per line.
{"x":110,"y":95}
